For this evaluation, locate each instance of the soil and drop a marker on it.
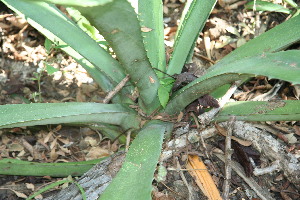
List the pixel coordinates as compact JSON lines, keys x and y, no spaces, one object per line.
{"x":23,"y":80}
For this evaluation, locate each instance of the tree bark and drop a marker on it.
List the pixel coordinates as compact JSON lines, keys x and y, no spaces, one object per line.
{"x":94,"y":181}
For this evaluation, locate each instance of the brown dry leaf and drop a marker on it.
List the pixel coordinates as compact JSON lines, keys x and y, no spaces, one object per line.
{"x":53,"y":154}
{"x":199,"y":172}
{"x":15,"y":147}
{"x":297,"y":130}
{"x":53,"y":144}
{"x":91,"y":141}
{"x":3,"y":16}
{"x":223,"y":132}
{"x":4,"y":26}
{"x":29,"y":147}
{"x":19,"y":194}
{"x":115,"y":146}
{"x":179,"y":117}
{"x":64,"y":141}
{"x":30,"y":186}
{"x":47,"y":138}
{"x":97,"y":152}
{"x":5,"y":139}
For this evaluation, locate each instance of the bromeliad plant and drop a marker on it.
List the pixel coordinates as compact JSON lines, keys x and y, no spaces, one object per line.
{"x":138,"y":44}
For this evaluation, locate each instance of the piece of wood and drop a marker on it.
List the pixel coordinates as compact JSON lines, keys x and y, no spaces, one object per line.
{"x":94,"y":182}
{"x":199,"y":172}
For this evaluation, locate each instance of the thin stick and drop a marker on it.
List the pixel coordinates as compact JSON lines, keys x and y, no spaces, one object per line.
{"x":112,"y":93}
{"x":263,"y":194}
{"x":228,"y":153}
{"x":184,"y":179}
{"x":163,"y":72}
{"x":127,"y":140}
{"x":205,"y":58}
{"x":201,"y":138}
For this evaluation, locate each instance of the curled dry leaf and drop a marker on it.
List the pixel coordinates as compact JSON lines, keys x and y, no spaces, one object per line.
{"x":223,"y":132}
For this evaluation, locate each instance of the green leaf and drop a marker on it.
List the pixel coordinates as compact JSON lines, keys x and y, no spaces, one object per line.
{"x":193,"y":20}
{"x":50,"y":69}
{"x":48,"y":187}
{"x":110,"y":131}
{"x":48,"y":45}
{"x":266,"y":6}
{"x":281,"y":65}
{"x":274,"y":40}
{"x":16,"y":115}
{"x":164,"y":90}
{"x":25,"y":168}
{"x":99,"y":64}
{"x":118,"y":23}
{"x":87,"y":3}
{"x":261,"y":111}
{"x":134,"y":180}
{"x":83,"y":23}
{"x":292,"y":3}
{"x":151,"y":20}
{"x":163,"y":95}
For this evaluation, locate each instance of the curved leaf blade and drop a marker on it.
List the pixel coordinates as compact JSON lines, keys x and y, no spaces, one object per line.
{"x":87,"y":3}
{"x":274,"y":40}
{"x":267,"y":6}
{"x":288,"y":110}
{"x":192,"y":23}
{"x":280,"y":65}
{"x":118,"y":23}
{"x":134,"y":180}
{"x":25,"y":168}
{"x":16,"y":115}
{"x":100,"y":65}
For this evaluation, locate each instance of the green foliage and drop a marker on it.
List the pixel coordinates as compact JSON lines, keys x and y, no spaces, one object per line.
{"x":272,"y":7}
{"x":261,"y":111}
{"x":123,"y":33}
{"x":164,"y":90}
{"x":192,"y":22}
{"x":267,"y":64}
{"x":139,"y":47}
{"x":151,"y":20}
{"x":134,"y":180}
{"x":16,"y":115}
{"x":105,"y":70}
{"x":57,"y":183}
{"x":25,"y":168}
{"x":267,"y":6}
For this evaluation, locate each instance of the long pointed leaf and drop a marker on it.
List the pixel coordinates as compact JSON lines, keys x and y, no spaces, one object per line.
{"x":25,"y":168}
{"x":134,"y":180}
{"x":100,"y":65}
{"x":261,"y":111}
{"x":151,"y":19}
{"x":16,"y":115}
{"x":281,"y":65}
{"x":274,"y":40}
{"x":192,"y":23}
{"x":118,"y":23}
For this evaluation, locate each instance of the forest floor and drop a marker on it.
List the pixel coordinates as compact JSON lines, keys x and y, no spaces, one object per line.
{"x":23,"y":79}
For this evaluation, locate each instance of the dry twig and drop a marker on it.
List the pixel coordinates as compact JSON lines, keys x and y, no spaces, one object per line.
{"x":112,"y":93}
{"x":228,"y":153}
